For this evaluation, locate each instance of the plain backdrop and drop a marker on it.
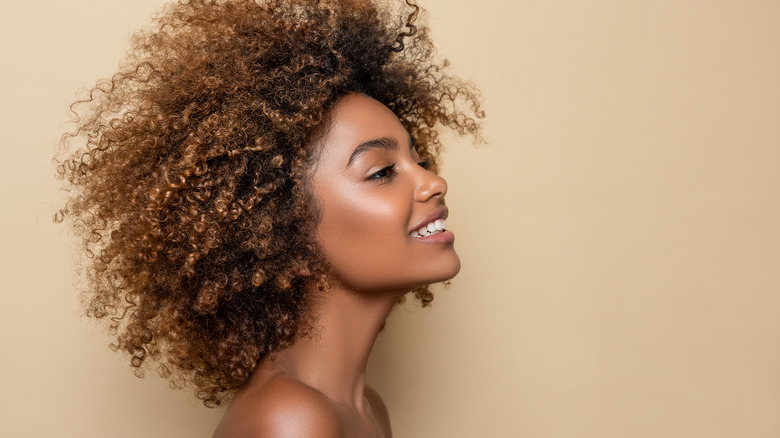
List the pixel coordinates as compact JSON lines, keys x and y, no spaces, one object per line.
{"x":619,"y":231}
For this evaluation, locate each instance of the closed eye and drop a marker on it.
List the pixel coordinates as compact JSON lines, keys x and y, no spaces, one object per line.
{"x":425,"y":164}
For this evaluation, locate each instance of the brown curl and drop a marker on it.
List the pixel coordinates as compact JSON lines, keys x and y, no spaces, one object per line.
{"x":188,"y":183}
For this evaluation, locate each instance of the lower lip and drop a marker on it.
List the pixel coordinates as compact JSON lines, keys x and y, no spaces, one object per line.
{"x":445,"y":236}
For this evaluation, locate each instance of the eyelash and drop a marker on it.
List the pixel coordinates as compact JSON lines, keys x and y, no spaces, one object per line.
{"x":388,"y":172}
{"x":383,"y":174}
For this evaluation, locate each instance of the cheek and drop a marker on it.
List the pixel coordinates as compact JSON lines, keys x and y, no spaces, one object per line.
{"x":362,"y":236}
{"x":351,"y":213}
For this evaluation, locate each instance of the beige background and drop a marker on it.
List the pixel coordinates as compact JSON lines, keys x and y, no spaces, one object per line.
{"x":619,"y":232}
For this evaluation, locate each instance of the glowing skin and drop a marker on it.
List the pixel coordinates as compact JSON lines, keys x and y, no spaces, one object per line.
{"x":382,"y":230}
{"x":375,"y":194}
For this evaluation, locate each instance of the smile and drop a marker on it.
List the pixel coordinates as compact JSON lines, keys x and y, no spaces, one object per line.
{"x":434,"y":227}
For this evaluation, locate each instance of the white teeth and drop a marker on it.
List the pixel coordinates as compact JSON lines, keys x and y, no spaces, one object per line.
{"x":434,"y":227}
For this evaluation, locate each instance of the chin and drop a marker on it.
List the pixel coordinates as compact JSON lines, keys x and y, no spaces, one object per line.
{"x":448,"y":270}
{"x":454,"y":269}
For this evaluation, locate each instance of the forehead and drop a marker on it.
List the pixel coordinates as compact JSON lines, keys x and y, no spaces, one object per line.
{"x":354,"y":120}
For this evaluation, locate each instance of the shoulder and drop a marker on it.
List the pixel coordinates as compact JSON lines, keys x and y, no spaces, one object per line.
{"x":379,"y":409}
{"x":280,"y":407}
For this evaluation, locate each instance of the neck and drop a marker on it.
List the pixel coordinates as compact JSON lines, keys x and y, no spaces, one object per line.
{"x":333,"y":359}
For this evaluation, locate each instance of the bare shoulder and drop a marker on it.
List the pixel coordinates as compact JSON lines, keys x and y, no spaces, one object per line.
{"x":280,"y":407}
{"x":379,"y":409}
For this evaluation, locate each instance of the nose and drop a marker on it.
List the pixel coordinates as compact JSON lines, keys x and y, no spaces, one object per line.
{"x":429,"y":185}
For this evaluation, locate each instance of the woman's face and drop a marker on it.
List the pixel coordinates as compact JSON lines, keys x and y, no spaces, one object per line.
{"x":375,"y":195}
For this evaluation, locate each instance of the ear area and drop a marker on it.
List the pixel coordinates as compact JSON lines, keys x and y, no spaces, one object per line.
{"x":302,"y":268}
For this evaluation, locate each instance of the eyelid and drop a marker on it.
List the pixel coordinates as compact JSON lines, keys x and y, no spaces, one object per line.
{"x":389,"y":171}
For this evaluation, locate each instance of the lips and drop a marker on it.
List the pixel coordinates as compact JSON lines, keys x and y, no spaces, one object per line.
{"x":433,"y":223}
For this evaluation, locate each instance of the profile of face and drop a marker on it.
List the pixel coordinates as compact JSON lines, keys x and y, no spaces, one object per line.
{"x":381,"y":210}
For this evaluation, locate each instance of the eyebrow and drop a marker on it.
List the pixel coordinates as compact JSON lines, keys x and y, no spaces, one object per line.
{"x":386,"y":143}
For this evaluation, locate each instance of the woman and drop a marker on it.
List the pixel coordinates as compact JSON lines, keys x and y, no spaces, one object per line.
{"x":256,"y":189}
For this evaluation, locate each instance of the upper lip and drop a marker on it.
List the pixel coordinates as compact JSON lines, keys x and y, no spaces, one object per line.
{"x":439,"y":213}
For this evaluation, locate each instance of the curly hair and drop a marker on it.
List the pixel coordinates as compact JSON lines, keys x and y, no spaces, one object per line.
{"x":188,"y":182}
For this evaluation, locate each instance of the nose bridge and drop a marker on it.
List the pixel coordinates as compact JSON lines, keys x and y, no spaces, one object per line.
{"x":429,"y":185}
